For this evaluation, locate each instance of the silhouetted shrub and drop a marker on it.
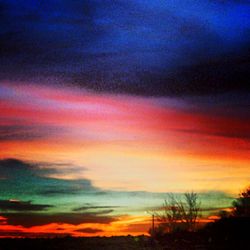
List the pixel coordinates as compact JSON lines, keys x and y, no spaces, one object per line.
{"x":242,"y":204}
{"x":178,"y":215}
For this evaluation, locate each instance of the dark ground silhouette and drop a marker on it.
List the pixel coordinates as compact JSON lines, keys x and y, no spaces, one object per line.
{"x":225,"y":234}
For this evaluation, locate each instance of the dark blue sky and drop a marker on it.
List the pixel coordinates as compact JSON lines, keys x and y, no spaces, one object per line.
{"x":164,"y":48}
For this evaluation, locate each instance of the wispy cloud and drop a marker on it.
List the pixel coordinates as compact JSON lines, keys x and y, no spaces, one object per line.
{"x":91,"y":207}
{"x":16,"y":205}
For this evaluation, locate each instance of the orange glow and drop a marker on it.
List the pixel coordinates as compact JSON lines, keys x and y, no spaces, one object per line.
{"x":125,"y":225}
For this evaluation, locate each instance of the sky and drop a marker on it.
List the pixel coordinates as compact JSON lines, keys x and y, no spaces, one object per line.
{"x":106,"y":107}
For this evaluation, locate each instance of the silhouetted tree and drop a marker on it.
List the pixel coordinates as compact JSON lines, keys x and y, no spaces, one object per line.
{"x":242,"y":204}
{"x":224,"y":214}
{"x":192,"y":210}
{"x":179,"y":215}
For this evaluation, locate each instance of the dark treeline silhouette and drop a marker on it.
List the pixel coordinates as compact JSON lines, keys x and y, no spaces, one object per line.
{"x":231,"y":231}
{"x":177,"y":215}
{"x":242,"y":204}
{"x":177,"y":225}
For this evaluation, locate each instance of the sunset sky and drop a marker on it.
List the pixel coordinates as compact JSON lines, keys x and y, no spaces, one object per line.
{"x":108,"y":106}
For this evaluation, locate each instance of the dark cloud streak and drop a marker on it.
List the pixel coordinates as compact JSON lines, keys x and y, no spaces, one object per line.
{"x":13,"y":205}
{"x":38,"y":219}
{"x":25,"y":133}
{"x":90,"y":207}
{"x":89,"y":230}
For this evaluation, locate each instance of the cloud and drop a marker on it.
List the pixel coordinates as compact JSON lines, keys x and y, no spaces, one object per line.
{"x":25,"y":133}
{"x":208,"y":77}
{"x":32,"y":179}
{"x":50,"y":191}
{"x":90,"y":207}
{"x":160,"y":48}
{"x":89,"y":230}
{"x":38,"y":169}
{"x":15,"y":205}
{"x":9,"y":133}
{"x":40,"y":179}
{"x":213,"y":210}
{"x":245,"y":135}
{"x":38,"y":219}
